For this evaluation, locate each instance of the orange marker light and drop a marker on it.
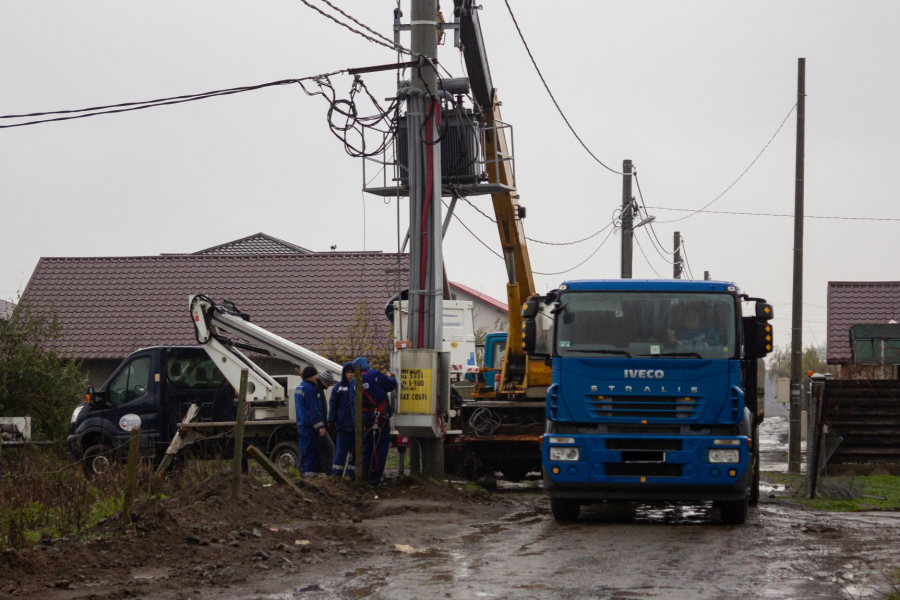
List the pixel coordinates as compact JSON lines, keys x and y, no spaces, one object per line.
{"x":809,"y":373}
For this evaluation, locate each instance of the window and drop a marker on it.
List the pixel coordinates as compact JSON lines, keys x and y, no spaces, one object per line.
{"x":131,"y":383}
{"x":647,"y":324}
{"x":193,"y":372}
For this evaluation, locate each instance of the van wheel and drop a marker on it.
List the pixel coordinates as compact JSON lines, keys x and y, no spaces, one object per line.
{"x":734,"y":512}
{"x":97,"y":460}
{"x":285,"y":456}
{"x":564,"y":510}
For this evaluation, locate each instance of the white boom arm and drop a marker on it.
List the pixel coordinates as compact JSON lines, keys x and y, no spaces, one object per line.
{"x":211,"y":319}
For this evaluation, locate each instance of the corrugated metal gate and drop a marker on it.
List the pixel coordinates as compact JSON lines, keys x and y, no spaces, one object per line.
{"x":866,"y":414}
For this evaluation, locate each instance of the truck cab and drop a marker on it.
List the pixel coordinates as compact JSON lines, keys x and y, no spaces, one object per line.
{"x":153,"y":388}
{"x":653,"y":395}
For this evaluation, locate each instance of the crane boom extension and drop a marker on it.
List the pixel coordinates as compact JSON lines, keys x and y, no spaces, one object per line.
{"x":211,"y":322}
{"x":518,"y":372}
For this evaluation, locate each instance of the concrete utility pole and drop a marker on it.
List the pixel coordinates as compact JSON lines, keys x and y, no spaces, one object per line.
{"x":797,"y":308}
{"x":426,"y":273}
{"x":676,"y":267}
{"x":706,"y":276}
{"x":627,"y":220}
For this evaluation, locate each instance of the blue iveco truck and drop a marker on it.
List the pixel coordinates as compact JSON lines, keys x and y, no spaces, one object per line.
{"x":654,"y":395}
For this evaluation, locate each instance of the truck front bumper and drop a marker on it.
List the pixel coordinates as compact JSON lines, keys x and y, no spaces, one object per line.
{"x":681,"y":471}
{"x":73,"y":443}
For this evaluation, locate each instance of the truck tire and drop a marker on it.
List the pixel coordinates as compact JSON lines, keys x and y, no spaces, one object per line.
{"x":734,"y":512}
{"x":97,"y":460}
{"x":565,"y":510}
{"x":285,"y":456}
{"x":514,"y":473}
{"x":755,"y":465}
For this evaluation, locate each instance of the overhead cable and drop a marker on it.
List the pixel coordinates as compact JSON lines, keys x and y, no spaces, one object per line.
{"x":81,"y":113}
{"x":552,"y":97}
{"x":647,"y":215}
{"x":649,"y":264}
{"x":531,"y":239}
{"x":758,"y":214}
{"x":388,"y":44}
{"x":733,"y":183}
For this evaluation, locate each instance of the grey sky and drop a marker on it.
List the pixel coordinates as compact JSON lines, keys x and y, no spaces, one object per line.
{"x":690,"y":91}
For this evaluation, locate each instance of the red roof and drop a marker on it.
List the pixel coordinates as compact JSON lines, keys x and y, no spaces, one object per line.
{"x":858,"y":303}
{"x":109,"y":307}
{"x":484,"y":297}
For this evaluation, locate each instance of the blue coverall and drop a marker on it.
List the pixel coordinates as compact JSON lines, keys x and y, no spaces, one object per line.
{"x":341,"y":414}
{"x":309,"y":422}
{"x":377,"y":413}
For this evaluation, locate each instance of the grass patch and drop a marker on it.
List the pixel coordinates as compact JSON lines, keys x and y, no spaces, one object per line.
{"x":878,"y":492}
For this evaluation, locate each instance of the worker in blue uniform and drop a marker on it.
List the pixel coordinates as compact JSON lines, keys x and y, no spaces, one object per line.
{"x":341,"y":421}
{"x":377,"y":413}
{"x":310,"y":423}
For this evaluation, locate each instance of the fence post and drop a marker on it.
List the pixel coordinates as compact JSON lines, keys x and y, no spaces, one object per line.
{"x":358,"y":424}
{"x":128,"y":502}
{"x":239,"y":437}
{"x":817,"y":397}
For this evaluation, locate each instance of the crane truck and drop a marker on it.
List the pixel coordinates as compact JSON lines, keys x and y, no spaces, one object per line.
{"x":655,"y":393}
{"x":183,"y":397}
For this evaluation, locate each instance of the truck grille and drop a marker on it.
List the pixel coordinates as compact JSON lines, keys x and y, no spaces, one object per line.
{"x":644,"y":407}
{"x":642,"y":444}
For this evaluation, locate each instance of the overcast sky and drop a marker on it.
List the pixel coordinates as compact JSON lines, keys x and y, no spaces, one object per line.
{"x":690,"y":91}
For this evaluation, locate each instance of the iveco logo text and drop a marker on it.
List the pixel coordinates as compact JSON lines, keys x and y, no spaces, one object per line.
{"x":644,"y":374}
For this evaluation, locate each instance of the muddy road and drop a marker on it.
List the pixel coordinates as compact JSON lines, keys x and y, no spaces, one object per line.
{"x":415,"y":540}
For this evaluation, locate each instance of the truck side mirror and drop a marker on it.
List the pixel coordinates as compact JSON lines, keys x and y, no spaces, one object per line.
{"x":89,"y":396}
{"x":535,"y":342}
{"x":764,"y":311}
{"x":759,"y":338}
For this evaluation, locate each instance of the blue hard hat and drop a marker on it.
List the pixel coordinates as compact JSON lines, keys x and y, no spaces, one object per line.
{"x":362,"y":362}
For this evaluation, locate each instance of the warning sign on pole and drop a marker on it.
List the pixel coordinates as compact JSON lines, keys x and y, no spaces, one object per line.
{"x":415,"y":388}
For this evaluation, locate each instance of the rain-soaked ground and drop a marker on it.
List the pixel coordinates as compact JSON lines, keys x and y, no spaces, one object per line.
{"x":669,"y":551}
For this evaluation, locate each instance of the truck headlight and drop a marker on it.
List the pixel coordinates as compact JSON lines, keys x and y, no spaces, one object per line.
{"x":564,"y":454}
{"x":724,"y":456}
{"x":76,"y":412}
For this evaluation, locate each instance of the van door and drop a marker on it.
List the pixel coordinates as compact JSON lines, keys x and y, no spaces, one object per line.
{"x":132,"y":400}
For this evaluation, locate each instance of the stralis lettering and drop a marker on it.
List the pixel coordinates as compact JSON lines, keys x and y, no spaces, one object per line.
{"x":644,"y":374}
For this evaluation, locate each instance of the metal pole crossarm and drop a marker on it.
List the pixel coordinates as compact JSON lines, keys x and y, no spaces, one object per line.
{"x":387,"y":67}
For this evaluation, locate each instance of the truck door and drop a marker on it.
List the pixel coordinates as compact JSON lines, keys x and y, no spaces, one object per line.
{"x":132,"y":399}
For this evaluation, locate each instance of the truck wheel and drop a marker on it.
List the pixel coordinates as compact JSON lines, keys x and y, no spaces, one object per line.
{"x":285,"y":455}
{"x":514,"y":473}
{"x":97,"y":460}
{"x":564,"y":510}
{"x":734,"y":512}
{"x":755,"y":465}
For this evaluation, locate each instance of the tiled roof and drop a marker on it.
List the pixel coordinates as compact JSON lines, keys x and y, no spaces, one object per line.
{"x":108,"y":307}
{"x":858,"y":303}
{"x":258,"y":243}
{"x":483,"y":297}
{"x":6,"y":309}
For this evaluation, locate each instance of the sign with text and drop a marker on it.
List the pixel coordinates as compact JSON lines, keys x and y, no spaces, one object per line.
{"x":415,"y":389}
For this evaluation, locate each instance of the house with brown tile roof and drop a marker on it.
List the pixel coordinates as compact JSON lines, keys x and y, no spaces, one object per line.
{"x":258,"y":243}
{"x":111,"y":306}
{"x":857,"y":303}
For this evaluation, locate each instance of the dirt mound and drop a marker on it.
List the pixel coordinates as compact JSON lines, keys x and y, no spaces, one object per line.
{"x":199,"y":536}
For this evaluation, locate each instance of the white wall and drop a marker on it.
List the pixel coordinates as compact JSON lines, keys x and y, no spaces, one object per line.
{"x":484,"y":315}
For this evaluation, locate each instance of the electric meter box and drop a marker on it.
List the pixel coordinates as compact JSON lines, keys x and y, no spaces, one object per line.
{"x":423,"y":392}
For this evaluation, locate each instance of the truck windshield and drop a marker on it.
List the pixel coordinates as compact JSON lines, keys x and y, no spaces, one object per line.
{"x":646,"y":324}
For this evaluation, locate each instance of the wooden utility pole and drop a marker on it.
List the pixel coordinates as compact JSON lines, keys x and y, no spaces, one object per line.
{"x":627,"y":220}
{"x":676,"y":267}
{"x":797,"y":307}
{"x":358,"y":423}
{"x":128,"y":502}
{"x":239,"y":437}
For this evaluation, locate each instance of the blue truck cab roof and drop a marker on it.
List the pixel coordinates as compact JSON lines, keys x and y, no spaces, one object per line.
{"x":648,"y":285}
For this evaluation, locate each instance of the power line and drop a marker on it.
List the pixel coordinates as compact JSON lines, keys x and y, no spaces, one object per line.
{"x":531,"y":239}
{"x":388,"y":44}
{"x":649,"y":264}
{"x":131,"y":106}
{"x":361,"y":24}
{"x":552,"y":97}
{"x":756,"y":214}
{"x":686,"y":259}
{"x":744,"y":172}
{"x":647,"y":214}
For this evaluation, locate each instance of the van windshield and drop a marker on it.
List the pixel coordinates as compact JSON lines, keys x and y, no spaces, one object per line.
{"x":193,"y":371}
{"x":647,"y":324}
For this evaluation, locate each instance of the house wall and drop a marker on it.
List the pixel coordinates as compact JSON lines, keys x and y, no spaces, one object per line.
{"x":484,"y":315}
